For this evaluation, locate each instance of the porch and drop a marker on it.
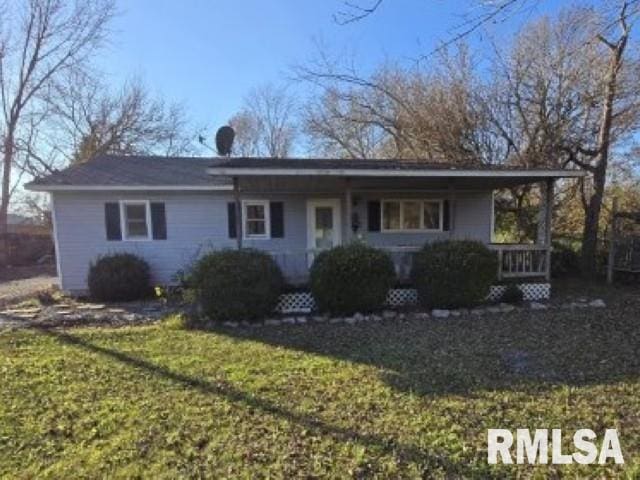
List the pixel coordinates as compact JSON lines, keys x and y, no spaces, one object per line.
{"x":394,"y":205}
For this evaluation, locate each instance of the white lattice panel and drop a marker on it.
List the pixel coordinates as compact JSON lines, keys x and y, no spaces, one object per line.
{"x":298,"y":302}
{"x":402,"y":296}
{"x":531,"y":291}
{"x":302,"y":302}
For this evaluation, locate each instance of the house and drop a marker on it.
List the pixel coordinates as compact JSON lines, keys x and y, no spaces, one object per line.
{"x":169,"y":210}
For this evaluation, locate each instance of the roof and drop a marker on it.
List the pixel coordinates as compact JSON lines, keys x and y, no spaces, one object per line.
{"x":374,"y":168}
{"x":134,"y":172}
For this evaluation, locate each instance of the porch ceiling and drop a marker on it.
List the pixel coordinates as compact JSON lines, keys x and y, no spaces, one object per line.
{"x":388,"y":172}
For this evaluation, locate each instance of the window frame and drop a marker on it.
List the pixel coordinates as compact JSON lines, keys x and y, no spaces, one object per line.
{"x":422,"y":228}
{"x":123,"y":220}
{"x":266,"y":204}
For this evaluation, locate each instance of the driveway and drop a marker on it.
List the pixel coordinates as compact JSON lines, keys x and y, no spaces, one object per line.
{"x":14,"y":287}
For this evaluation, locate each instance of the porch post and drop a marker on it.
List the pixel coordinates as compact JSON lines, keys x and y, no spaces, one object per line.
{"x":548,"y":220}
{"x":452,"y":207}
{"x":236,"y":195}
{"x":348,"y":207}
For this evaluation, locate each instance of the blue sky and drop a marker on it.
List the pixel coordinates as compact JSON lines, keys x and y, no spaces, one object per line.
{"x":209,"y":54}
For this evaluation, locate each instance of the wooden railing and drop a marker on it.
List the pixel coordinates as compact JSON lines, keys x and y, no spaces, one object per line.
{"x":514,"y":261}
{"x":521,"y":261}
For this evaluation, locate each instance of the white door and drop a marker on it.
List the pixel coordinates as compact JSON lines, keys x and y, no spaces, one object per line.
{"x":323,"y":225}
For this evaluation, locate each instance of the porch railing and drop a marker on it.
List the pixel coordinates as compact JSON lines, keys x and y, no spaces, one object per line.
{"x":521,"y":261}
{"x":514,"y":261}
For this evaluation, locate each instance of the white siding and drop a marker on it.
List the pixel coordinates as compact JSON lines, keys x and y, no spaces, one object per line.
{"x":197,"y":222}
{"x":194,"y":221}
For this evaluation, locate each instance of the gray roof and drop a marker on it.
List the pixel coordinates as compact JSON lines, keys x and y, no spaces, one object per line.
{"x":134,"y":171}
{"x":193,"y":173}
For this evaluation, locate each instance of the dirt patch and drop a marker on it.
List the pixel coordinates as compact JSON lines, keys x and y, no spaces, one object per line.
{"x":72,"y":313}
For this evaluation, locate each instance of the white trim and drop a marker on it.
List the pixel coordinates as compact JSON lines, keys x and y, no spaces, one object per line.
{"x":421,"y":201}
{"x":337,"y":221}
{"x":132,"y":188}
{"x":389,"y":172}
{"x":123,"y":220}
{"x":56,"y":243}
{"x":267,"y":220}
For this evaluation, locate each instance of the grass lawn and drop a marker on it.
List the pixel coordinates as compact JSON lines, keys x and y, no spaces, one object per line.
{"x":410,"y":399}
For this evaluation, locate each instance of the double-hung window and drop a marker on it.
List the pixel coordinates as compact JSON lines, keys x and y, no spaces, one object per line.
{"x":136,"y":219}
{"x":412,"y":215}
{"x":256,"y":218}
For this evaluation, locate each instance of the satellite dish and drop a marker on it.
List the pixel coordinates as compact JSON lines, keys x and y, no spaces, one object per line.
{"x":224,"y":140}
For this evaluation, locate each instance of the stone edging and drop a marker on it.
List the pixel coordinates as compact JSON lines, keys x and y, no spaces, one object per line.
{"x":502,"y":308}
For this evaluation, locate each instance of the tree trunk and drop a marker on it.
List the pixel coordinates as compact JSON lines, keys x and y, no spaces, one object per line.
{"x":591,"y":225}
{"x":594,"y":206}
{"x":6,"y":193}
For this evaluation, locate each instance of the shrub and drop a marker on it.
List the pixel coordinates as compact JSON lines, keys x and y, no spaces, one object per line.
{"x":565,"y":260}
{"x":512,"y":294}
{"x":352,"y":278}
{"x":453,"y":273}
{"x":236,"y":284}
{"x":119,"y":277}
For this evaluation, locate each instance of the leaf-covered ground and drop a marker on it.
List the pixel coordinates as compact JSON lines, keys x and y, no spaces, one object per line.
{"x":395,"y":400}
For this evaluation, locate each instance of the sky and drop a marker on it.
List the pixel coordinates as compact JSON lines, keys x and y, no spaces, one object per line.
{"x":208,"y":54}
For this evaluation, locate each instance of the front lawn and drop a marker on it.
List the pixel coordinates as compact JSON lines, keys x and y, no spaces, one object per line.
{"x":389,"y":400}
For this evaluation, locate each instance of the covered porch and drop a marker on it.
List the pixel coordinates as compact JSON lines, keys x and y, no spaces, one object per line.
{"x":392,"y":205}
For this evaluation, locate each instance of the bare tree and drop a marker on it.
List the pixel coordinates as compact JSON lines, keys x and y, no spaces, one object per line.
{"x":400,"y":112}
{"x":265,"y":126}
{"x":40,"y":40}
{"x":88,"y":120}
{"x":566,"y":95}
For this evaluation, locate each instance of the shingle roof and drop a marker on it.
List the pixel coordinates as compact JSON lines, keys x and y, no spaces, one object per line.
{"x":134,"y":171}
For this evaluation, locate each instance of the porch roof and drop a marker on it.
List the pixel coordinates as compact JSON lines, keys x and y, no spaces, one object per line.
{"x":256,"y":167}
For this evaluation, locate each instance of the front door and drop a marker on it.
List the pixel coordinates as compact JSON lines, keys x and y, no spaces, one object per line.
{"x":323,"y":225}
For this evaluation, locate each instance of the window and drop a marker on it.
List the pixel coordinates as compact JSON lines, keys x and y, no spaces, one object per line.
{"x":412,"y":215}
{"x":256,"y":218}
{"x":136,"y":220}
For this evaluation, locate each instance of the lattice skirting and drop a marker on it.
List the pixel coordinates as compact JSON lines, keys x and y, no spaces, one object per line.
{"x":298,"y":302}
{"x":531,"y":291}
{"x":302,"y":302}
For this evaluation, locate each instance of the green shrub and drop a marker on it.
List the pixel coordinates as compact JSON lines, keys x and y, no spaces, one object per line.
{"x":119,"y":277}
{"x":565,"y":260}
{"x":453,"y":273}
{"x":352,"y":278}
{"x":236,"y":284}
{"x":512,"y":294}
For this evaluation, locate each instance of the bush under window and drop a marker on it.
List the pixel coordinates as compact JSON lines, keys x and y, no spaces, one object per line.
{"x":453,"y":273}
{"x":352,"y":278}
{"x":119,"y":277}
{"x":236,"y":285}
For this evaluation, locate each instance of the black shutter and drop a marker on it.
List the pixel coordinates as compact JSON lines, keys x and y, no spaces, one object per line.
{"x":446,"y":214}
{"x":277,"y":219}
{"x":373,"y":216}
{"x":231,"y":219}
{"x":112,"y":221}
{"x":158,"y":221}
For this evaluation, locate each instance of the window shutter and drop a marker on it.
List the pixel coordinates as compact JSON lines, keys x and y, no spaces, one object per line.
{"x":373,"y":216}
{"x":446,"y":213}
{"x":158,"y":221}
{"x":231,"y":218}
{"x":112,"y":220}
{"x":277,"y":219}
